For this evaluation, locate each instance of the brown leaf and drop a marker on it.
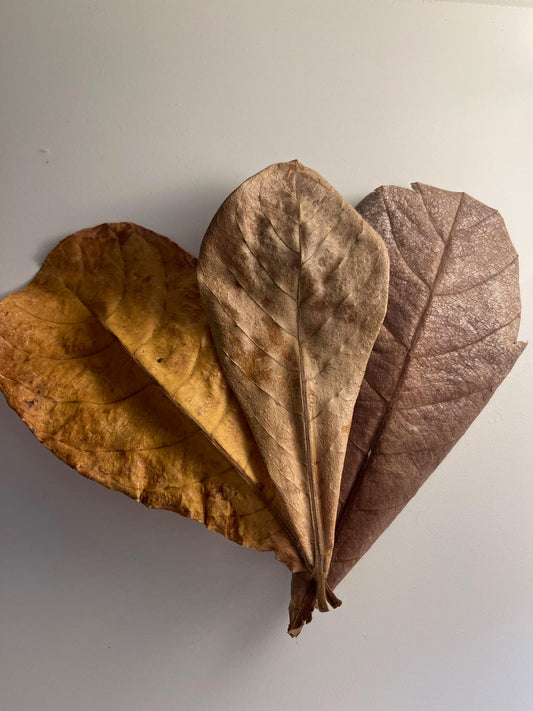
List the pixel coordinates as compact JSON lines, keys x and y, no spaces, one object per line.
{"x":448,"y":341}
{"x":107,"y":357}
{"x":294,"y":283}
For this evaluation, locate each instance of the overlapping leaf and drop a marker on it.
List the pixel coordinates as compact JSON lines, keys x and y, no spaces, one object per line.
{"x":448,"y":341}
{"x":294,"y":283}
{"x":107,"y":358}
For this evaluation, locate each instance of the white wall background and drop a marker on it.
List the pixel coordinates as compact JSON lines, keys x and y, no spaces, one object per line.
{"x":153,"y":112}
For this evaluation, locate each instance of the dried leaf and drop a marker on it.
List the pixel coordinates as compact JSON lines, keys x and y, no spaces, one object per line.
{"x":448,"y":341}
{"x":294,"y":283}
{"x":107,"y":357}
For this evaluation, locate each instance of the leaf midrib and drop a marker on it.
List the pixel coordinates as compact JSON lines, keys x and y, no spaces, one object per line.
{"x":316,"y":521}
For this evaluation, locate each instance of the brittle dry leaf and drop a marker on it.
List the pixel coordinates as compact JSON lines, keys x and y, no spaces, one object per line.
{"x":448,"y":341}
{"x":107,"y":357}
{"x":294,"y":283}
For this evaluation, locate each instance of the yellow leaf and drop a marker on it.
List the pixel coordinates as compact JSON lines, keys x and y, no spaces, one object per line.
{"x":107,"y":358}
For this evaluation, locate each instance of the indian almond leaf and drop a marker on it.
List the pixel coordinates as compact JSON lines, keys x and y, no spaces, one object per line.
{"x":107,"y":358}
{"x":448,"y":341}
{"x":294,"y":283}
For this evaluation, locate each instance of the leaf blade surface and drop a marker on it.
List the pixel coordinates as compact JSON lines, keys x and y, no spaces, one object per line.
{"x":294,"y":283}
{"x":98,"y":354}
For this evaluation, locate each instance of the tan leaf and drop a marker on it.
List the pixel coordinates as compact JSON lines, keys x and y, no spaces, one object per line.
{"x":294,"y":283}
{"x":448,"y":341}
{"x":107,"y":358}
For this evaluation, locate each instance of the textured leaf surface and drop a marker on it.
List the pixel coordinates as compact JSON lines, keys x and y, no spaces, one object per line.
{"x":295,"y":284}
{"x":448,"y":341}
{"x":107,"y":358}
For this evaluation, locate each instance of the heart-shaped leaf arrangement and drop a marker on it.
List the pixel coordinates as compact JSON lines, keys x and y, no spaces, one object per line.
{"x":228,"y":398}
